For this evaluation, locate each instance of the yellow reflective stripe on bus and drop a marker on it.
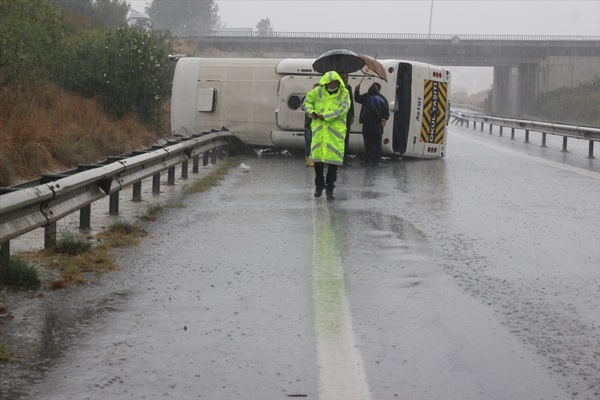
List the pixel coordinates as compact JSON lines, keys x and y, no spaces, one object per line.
{"x":434,"y":112}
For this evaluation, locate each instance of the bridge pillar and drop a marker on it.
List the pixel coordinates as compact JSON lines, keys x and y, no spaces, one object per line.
{"x":528,"y":88}
{"x":500,"y":90}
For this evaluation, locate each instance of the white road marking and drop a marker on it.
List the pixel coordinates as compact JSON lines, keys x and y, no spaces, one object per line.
{"x":341,"y":370}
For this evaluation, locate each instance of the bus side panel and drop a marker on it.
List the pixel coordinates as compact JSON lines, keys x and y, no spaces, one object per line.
{"x":245,"y":98}
{"x":292,"y":91}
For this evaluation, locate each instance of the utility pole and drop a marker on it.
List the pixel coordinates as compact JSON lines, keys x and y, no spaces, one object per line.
{"x":430,"y":18}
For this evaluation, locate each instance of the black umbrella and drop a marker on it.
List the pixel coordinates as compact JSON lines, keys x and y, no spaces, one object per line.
{"x":339,"y":60}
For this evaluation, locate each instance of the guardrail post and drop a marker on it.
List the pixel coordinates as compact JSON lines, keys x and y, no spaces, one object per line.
{"x":512,"y":133}
{"x":113,"y":203}
{"x":184,"y":169}
{"x":50,"y":236}
{"x":543,"y":139}
{"x":526,"y":135}
{"x":171,"y":176}
{"x":469,"y":124}
{"x":591,"y":149}
{"x":205,"y":158}
{"x":490,"y":128}
{"x":564,"y":143}
{"x":85,"y":217}
{"x":137,"y":191}
{"x":220,"y":153}
{"x":156,"y":183}
{"x":195,"y":164}
{"x":213,"y":156}
{"x":501,"y":130}
{"x":4,"y":254}
{"x":482,"y":126}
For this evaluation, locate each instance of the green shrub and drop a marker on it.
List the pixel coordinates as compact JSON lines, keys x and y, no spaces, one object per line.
{"x":19,"y":273}
{"x":30,"y":33}
{"x":71,"y":243}
{"x":126,"y":69}
{"x":152,"y":212}
{"x":124,"y":228}
{"x":121,"y":234}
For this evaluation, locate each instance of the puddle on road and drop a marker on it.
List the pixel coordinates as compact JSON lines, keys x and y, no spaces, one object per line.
{"x":44,"y":331}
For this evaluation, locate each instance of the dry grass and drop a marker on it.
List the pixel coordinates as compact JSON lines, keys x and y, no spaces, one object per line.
{"x":5,"y":353}
{"x":214,"y":178}
{"x":64,"y":269}
{"x":55,"y":130}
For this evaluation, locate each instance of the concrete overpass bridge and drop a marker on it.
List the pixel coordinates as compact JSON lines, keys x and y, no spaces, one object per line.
{"x":524,"y":66}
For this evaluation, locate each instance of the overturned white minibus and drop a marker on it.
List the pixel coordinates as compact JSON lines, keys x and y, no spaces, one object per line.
{"x":260,"y":101}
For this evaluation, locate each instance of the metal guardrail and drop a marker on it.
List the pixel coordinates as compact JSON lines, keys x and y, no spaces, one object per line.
{"x":469,"y":107}
{"x":25,"y":209}
{"x":592,"y":134}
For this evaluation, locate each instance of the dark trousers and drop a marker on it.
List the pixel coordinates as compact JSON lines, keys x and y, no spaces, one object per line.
{"x":346,"y":141}
{"x":372,"y":146}
{"x":322,"y":181}
{"x":307,"y":141}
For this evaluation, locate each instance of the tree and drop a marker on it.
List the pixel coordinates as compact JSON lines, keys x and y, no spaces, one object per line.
{"x":125,"y":69}
{"x":184,"y":17}
{"x":30,"y":32}
{"x":111,"y":12}
{"x":108,"y":12}
{"x":264,"y":26}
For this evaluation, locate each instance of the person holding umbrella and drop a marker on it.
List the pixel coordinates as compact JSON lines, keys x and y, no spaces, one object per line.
{"x":373,"y":115}
{"x":328,"y":106}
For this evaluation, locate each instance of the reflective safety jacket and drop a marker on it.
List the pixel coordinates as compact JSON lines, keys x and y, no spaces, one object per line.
{"x":329,"y":133}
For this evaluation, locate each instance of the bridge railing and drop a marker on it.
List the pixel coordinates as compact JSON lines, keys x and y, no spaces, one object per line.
{"x":591,"y":134}
{"x":26,"y":207}
{"x":381,"y":36}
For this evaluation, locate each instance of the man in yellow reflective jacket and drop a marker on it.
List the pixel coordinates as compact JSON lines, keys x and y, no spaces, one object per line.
{"x":328,"y":106}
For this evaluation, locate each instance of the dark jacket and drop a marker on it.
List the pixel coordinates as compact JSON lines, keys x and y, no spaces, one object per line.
{"x":376,"y":109}
{"x":362,"y":99}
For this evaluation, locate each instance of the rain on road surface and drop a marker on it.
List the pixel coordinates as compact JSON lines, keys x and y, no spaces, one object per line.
{"x":473,"y":277}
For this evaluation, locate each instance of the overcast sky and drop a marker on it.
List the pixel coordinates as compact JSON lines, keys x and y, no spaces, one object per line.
{"x":497,"y":17}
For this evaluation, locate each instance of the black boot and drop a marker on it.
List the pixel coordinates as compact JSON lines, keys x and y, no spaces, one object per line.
{"x":329,"y":192}
{"x":318,"y":191}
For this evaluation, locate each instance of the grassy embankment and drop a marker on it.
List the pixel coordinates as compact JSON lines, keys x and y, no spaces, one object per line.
{"x":53,"y":130}
{"x":56,"y":131}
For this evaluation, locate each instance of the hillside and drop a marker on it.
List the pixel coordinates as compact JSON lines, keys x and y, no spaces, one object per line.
{"x":53,"y":130}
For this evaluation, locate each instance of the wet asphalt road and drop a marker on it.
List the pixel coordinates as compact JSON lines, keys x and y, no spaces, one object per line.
{"x":474,"y":277}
